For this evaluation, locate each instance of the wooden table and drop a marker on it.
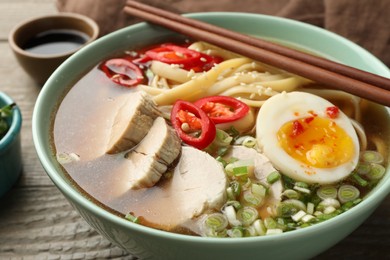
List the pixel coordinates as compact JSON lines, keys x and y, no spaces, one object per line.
{"x":36,"y":222}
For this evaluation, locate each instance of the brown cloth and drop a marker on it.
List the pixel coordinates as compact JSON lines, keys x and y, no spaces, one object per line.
{"x":365,"y":22}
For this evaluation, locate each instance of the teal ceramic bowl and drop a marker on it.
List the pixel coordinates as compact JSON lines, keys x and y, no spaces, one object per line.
{"x":148,"y":243}
{"x":10,"y":148}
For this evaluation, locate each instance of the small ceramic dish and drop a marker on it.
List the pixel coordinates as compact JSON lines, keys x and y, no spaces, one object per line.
{"x":41,"y":65}
{"x":10,"y":148}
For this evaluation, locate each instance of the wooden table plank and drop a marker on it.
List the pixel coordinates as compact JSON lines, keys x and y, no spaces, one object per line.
{"x":38,"y":223}
{"x":16,"y":11}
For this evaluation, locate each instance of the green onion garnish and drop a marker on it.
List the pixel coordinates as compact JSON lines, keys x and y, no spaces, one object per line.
{"x":371,"y":157}
{"x":240,"y":171}
{"x":291,"y":194}
{"x":359,"y":180}
{"x":327,"y":192}
{"x":131,"y":217}
{"x":363,"y":168}
{"x":235,"y":232}
{"x":249,"y":142}
{"x":348,"y":193}
{"x":273,"y":177}
{"x":214,"y":223}
{"x":252,"y":199}
{"x":247,"y":215}
{"x":377,"y":171}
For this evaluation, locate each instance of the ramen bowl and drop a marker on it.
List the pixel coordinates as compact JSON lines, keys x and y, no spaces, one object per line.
{"x":149,"y":243}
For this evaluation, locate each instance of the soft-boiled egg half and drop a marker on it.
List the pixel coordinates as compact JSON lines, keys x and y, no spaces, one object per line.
{"x":307,"y":138}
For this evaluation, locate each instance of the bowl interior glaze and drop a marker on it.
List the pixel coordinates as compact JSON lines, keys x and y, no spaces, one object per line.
{"x":150,"y":243}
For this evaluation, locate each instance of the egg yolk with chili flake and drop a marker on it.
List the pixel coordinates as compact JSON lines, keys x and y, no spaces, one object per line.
{"x":316,"y":142}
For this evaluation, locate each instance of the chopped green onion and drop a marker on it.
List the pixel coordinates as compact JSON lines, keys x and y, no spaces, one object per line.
{"x":259,"y":226}
{"x":307,"y":218}
{"x":249,"y":231}
{"x":258,"y":190}
{"x":363,"y":168}
{"x":301,"y":189}
{"x":348,"y":193}
{"x":131,"y":217}
{"x":230,"y":194}
{"x":235,"y":232}
{"x":359,"y":180}
{"x":236,"y":187}
{"x":247,"y":215}
{"x":270,"y":223}
{"x":328,"y":203}
{"x":234,"y":203}
{"x":376,"y":173}
{"x":252,"y":199}
{"x":310,"y":208}
{"x":231,"y":216}
{"x":221,"y":160}
{"x":290,"y":207}
{"x":273,"y":177}
{"x":291,"y":194}
{"x":301,"y":184}
{"x":324,"y":217}
{"x":329,"y":209}
{"x":274,"y":231}
{"x":371,"y":157}
{"x":214,"y":223}
{"x":241,"y":168}
{"x":240,"y":171}
{"x":233,"y":132}
{"x":327,"y":192}
{"x":223,"y":138}
{"x":297,"y":216}
{"x":249,"y":142}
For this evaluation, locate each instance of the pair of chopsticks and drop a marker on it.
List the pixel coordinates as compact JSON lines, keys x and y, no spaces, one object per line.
{"x":329,"y":73}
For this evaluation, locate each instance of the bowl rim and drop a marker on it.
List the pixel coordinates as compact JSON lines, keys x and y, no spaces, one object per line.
{"x":16,"y":123}
{"x":25,"y":23}
{"x":70,"y":191}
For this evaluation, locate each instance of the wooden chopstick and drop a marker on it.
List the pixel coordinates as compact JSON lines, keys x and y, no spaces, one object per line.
{"x":227,"y":39}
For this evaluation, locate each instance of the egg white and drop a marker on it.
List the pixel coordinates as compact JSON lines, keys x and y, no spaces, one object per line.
{"x":284,"y":107}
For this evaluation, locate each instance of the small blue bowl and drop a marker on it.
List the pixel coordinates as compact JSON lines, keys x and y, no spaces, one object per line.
{"x":10,"y":148}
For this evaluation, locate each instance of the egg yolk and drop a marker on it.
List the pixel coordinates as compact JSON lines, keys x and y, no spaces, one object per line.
{"x":316,"y":142}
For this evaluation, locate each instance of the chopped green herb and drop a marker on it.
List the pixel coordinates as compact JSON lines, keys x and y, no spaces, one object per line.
{"x":5,"y":112}
{"x":131,"y":217}
{"x":273,"y":177}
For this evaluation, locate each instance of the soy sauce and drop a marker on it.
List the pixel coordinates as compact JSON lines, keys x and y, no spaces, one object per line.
{"x":56,"y":41}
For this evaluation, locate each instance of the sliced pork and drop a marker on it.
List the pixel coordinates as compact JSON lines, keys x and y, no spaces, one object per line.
{"x":132,"y":122}
{"x":197,"y":185}
{"x":151,"y":158}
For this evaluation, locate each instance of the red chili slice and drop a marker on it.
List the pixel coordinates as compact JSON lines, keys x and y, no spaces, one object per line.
{"x":332,"y":112}
{"x":188,"y":59}
{"x":123,"y":72}
{"x":172,"y":54}
{"x":222,"y":109}
{"x":208,"y":130}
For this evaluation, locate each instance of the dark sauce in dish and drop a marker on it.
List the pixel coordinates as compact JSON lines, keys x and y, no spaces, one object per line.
{"x":56,"y":41}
